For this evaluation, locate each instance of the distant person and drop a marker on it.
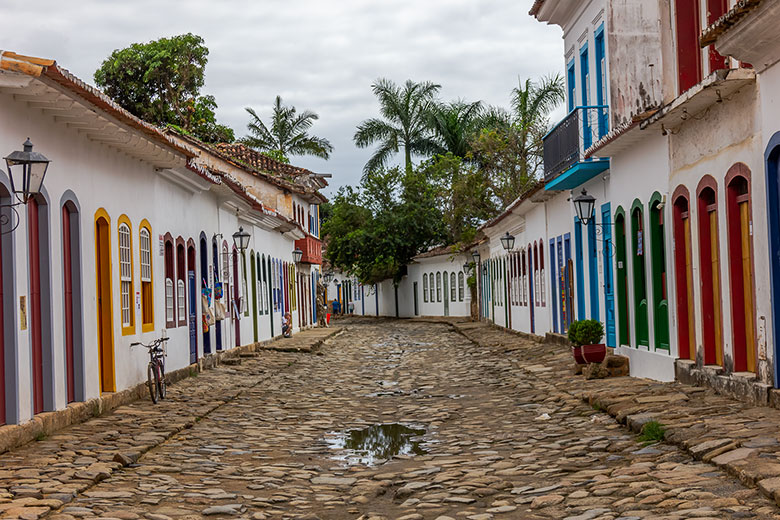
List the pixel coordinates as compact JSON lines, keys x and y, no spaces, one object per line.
{"x":287,"y":325}
{"x":336,"y":307}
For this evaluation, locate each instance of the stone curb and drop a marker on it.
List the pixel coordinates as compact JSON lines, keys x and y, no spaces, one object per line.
{"x":45,"y":424}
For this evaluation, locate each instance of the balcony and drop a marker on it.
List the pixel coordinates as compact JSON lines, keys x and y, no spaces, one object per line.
{"x":565,"y":164}
{"x":312,"y":250}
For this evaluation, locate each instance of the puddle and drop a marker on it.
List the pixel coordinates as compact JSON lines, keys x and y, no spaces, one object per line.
{"x":377,"y":444}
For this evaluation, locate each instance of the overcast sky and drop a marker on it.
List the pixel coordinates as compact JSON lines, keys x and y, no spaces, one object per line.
{"x":321,"y":55}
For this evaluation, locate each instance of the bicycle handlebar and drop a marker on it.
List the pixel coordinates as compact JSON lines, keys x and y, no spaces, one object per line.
{"x":153,"y":344}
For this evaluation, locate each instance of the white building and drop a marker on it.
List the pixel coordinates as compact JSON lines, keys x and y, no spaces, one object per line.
{"x":130,"y":228}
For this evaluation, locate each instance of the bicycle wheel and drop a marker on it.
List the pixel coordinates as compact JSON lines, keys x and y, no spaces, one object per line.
{"x":151,"y":382}
{"x":160,"y":376}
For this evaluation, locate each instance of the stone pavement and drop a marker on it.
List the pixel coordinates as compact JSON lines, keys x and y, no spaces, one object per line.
{"x":507,"y":436}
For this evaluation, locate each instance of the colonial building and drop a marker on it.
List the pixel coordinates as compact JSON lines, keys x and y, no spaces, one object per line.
{"x":131,"y":238}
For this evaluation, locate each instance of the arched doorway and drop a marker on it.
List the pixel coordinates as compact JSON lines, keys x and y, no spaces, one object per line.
{"x":640,"y":276}
{"x":72,"y":301}
{"x":192,"y":315}
{"x":236,"y":299}
{"x":683,"y":267}
{"x":658,"y":263}
{"x":621,"y":257}
{"x":215,"y":266}
{"x":105,"y":320}
{"x":738,"y":213}
{"x":204,"y":280}
{"x":253,"y":277}
{"x":772,"y":165}
{"x":710,"y":272}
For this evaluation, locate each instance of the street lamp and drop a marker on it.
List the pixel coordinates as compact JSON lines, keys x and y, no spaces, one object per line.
{"x":29,"y":168}
{"x":328,"y":277}
{"x":475,"y":256}
{"x":584,"y":205}
{"x":241,"y":239}
{"x":467,"y":268}
{"x":508,"y":241}
{"x":297,"y":255}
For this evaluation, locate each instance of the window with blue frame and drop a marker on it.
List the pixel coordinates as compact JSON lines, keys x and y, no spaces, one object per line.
{"x":587,"y":136}
{"x":571,"y":80}
{"x":601,"y":80}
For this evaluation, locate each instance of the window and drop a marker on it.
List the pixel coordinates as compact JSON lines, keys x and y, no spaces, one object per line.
{"x":126,"y":276}
{"x":524,"y":279}
{"x":147,"y":296}
{"x":438,"y":286}
{"x":688,"y":22}
{"x":537,"y":281}
{"x":170,"y":297}
{"x":571,"y":80}
{"x":181,"y":295}
{"x":461,"y":290}
{"x":453,"y":290}
{"x":226,"y":277}
{"x":265,"y":285}
{"x":432,"y":287}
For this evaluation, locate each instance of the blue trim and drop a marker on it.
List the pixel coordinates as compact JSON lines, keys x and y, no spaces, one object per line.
{"x":571,"y":84}
{"x":772,"y":161}
{"x":578,"y":254}
{"x":600,"y":84}
{"x":609,"y":284}
{"x":578,"y":174}
{"x":593,"y":270}
{"x":553,"y":263}
{"x":566,"y":258}
{"x":587,"y":135}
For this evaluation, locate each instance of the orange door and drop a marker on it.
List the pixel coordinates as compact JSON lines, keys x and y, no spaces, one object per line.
{"x":105,"y":320}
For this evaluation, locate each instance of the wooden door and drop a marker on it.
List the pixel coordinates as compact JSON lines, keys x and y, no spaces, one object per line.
{"x":105,"y":318}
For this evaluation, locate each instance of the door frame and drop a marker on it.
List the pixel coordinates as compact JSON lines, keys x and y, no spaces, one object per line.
{"x":772,"y":172}
{"x":609,"y":282}
{"x":105,"y":315}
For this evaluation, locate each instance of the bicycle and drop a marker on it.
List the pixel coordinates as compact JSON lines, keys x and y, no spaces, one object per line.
{"x":156,"y":368}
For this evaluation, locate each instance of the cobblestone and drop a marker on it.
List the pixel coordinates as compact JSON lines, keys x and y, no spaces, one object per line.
{"x":508,"y":435}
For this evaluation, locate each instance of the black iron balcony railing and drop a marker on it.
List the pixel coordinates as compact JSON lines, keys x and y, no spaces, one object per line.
{"x":565,"y":144}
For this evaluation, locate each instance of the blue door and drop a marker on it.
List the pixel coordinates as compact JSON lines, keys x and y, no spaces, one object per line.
{"x":193,"y":324}
{"x":609,"y":288}
{"x":554,"y":284}
{"x":568,"y":280}
{"x":580,"y":267}
{"x":593,"y":271}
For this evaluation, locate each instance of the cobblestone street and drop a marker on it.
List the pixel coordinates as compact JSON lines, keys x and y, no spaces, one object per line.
{"x":258,"y":440}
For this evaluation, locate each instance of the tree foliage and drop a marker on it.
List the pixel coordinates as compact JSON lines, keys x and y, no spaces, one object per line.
{"x":377,"y":228}
{"x":405,"y":123}
{"x":288,"y":133}
{"x":160,"y":82}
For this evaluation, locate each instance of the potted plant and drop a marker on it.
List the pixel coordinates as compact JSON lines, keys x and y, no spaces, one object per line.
{"x":585,"y":336}
{"x":576,"y":346}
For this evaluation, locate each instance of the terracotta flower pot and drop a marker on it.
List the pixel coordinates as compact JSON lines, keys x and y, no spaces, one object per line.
{"x":594,"y":353}
{"x":577,"y":353}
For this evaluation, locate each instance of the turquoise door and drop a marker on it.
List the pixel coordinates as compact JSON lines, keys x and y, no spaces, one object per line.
{"x":609,"y":288}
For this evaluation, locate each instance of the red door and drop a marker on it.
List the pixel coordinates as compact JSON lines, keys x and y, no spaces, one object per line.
{"x":35,"y":305}
{"x":68,"y":283}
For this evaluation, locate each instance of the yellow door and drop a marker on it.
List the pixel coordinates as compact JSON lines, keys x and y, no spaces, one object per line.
{"x":747,"y":286}
{"x":716,"y":286}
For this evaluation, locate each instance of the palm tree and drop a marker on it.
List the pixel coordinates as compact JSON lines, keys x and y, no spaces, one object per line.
{"x":531,"y":107}
{"x":404,"y":122}
{"x":455,"y":124}
{"x":289,"y":133}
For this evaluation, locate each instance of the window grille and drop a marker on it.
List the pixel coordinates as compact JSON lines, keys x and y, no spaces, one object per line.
{"x":125,"y":274}
{"x":182,"y":295}
{"x":168,"y":300}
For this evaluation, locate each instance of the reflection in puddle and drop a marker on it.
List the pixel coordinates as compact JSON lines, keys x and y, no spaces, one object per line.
{"x":376,"y":444}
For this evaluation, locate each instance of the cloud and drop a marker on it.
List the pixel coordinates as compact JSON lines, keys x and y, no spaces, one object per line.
{"x":321,"y":55}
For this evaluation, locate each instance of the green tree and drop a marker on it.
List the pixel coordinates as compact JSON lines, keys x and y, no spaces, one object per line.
{"x":509,"y":148}
{"x":404,"y":123}
{"x":288,"y":134}
{"x":160,"y":82}
{"x":375,"y":229}
{"x":454,"y":125}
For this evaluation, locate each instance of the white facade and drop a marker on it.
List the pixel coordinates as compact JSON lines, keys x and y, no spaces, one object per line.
{"x":130,"y":227}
